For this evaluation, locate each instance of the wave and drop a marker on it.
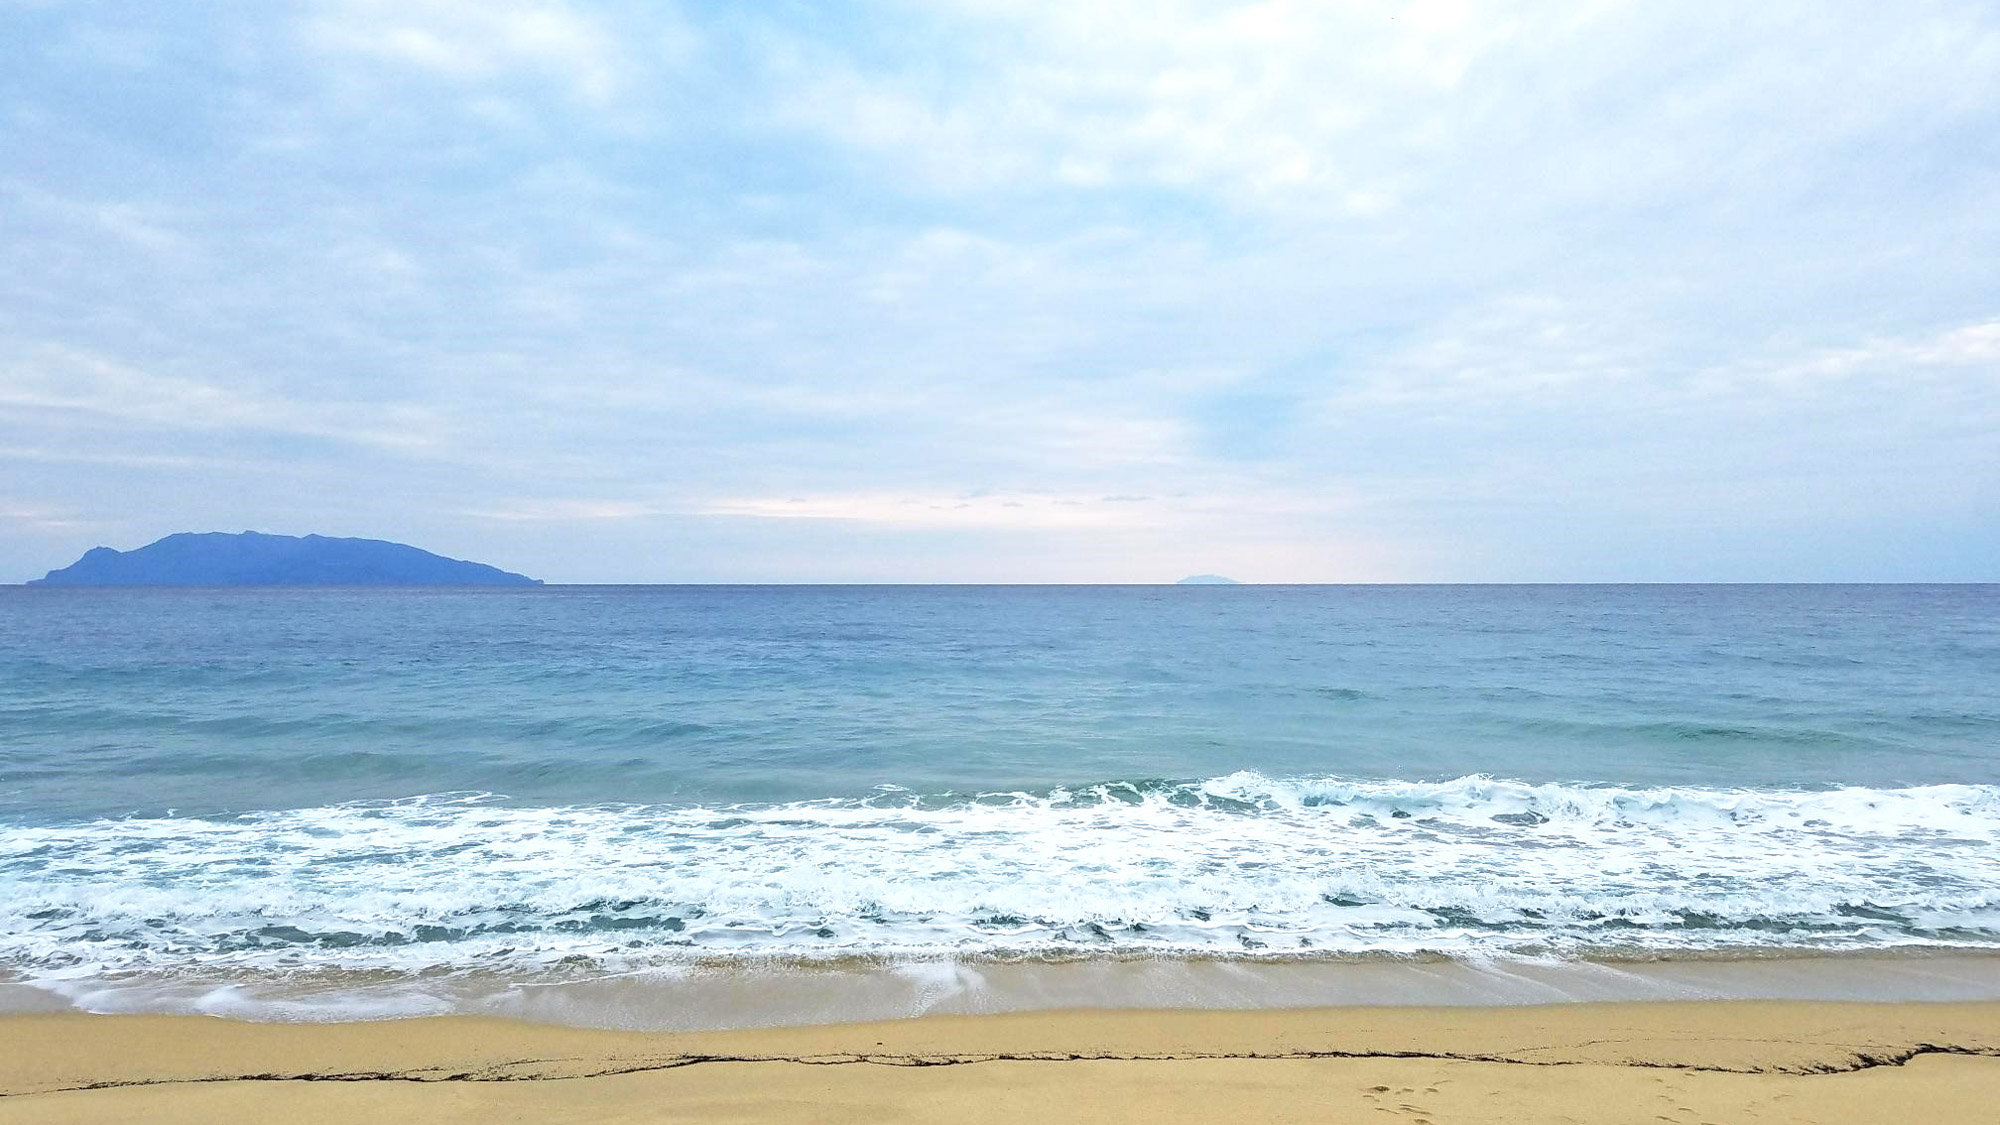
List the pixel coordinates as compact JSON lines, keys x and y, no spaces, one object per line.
{"x":1242,"y":865}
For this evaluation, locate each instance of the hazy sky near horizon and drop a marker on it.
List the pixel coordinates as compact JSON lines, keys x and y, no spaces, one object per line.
{"x":966,"y":291}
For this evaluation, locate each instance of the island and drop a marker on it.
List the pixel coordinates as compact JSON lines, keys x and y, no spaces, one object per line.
{"x":1207,"y":580}
{"x":254,"y":559}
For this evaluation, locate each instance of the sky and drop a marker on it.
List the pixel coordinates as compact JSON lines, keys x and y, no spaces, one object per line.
{"x":965,"y":291}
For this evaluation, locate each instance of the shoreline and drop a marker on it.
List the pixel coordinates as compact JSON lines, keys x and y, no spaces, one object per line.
{"x":721,"y":996}
{"x":1705,"y":1060}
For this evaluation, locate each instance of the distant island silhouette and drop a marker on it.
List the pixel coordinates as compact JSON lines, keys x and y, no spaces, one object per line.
{"x":255,"y":559}
{"x":1207,"y":580}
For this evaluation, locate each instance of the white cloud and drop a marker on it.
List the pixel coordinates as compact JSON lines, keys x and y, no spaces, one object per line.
{"x":148,"y":227}
{"x":38,"y":518}
{"x":1326,"y":282}
{"x":479,"y":40}
{"x":1966,"y":355}
{"x":61,"y":378}
{"x":1008,"y":510}
{"x":570,"y":511}
{"x":1369,"y":106}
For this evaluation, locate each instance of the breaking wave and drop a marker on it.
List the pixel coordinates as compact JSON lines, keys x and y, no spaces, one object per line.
{"x":1242,"y":865}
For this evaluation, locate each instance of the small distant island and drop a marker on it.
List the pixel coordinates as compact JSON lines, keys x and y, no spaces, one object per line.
{"x":1207,"y":580}
{"x":254,"y":559}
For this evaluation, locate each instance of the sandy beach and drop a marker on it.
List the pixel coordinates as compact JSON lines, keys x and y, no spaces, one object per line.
{"x":1647,"y":1062}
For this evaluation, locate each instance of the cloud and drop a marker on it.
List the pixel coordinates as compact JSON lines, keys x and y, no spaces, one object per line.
{"x":59,"y":379}
{"x":478,"y":40}
{"x":1369,"y":108}
{"x":33,"y":518}
{"x":1260,"y":99}
{"x":1372,"y":289}
{"x":1975,"y":346}
{"x":1004,"y":510}
{"x":570,"y":511}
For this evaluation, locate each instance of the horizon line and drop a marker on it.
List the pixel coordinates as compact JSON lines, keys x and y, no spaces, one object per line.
{"x":1176,"y":583}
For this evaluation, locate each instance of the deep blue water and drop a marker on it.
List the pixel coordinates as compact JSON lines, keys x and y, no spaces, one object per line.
{"x":428,"y":781}
{"x":119,"y":701}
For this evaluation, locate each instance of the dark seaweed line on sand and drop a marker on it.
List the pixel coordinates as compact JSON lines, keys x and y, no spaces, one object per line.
{"x":1855,"y":1063}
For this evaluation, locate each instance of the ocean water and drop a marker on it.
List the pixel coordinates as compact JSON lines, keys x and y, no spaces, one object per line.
{"x":367,"y":790}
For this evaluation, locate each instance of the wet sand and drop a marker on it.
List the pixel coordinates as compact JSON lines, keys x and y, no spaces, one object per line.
{"x":750,"y":994}
{"x":1624,"y":1062}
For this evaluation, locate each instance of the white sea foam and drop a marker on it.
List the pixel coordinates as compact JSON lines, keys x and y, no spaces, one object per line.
{"x":1241,"y":865}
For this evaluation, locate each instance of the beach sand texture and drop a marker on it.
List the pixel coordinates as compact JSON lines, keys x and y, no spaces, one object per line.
{"x":1709,"y":1061}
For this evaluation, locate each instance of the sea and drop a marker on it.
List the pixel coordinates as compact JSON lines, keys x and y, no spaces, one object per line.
{"x":716,"y":805}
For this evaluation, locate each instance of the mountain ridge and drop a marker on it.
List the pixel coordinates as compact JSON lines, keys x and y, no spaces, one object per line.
{"x":254,"y":558}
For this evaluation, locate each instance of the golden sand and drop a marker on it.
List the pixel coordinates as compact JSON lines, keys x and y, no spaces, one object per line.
{"x":1714,"y":1061}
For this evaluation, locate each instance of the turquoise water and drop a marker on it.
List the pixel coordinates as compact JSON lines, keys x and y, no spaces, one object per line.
{"x":593,"y":780}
